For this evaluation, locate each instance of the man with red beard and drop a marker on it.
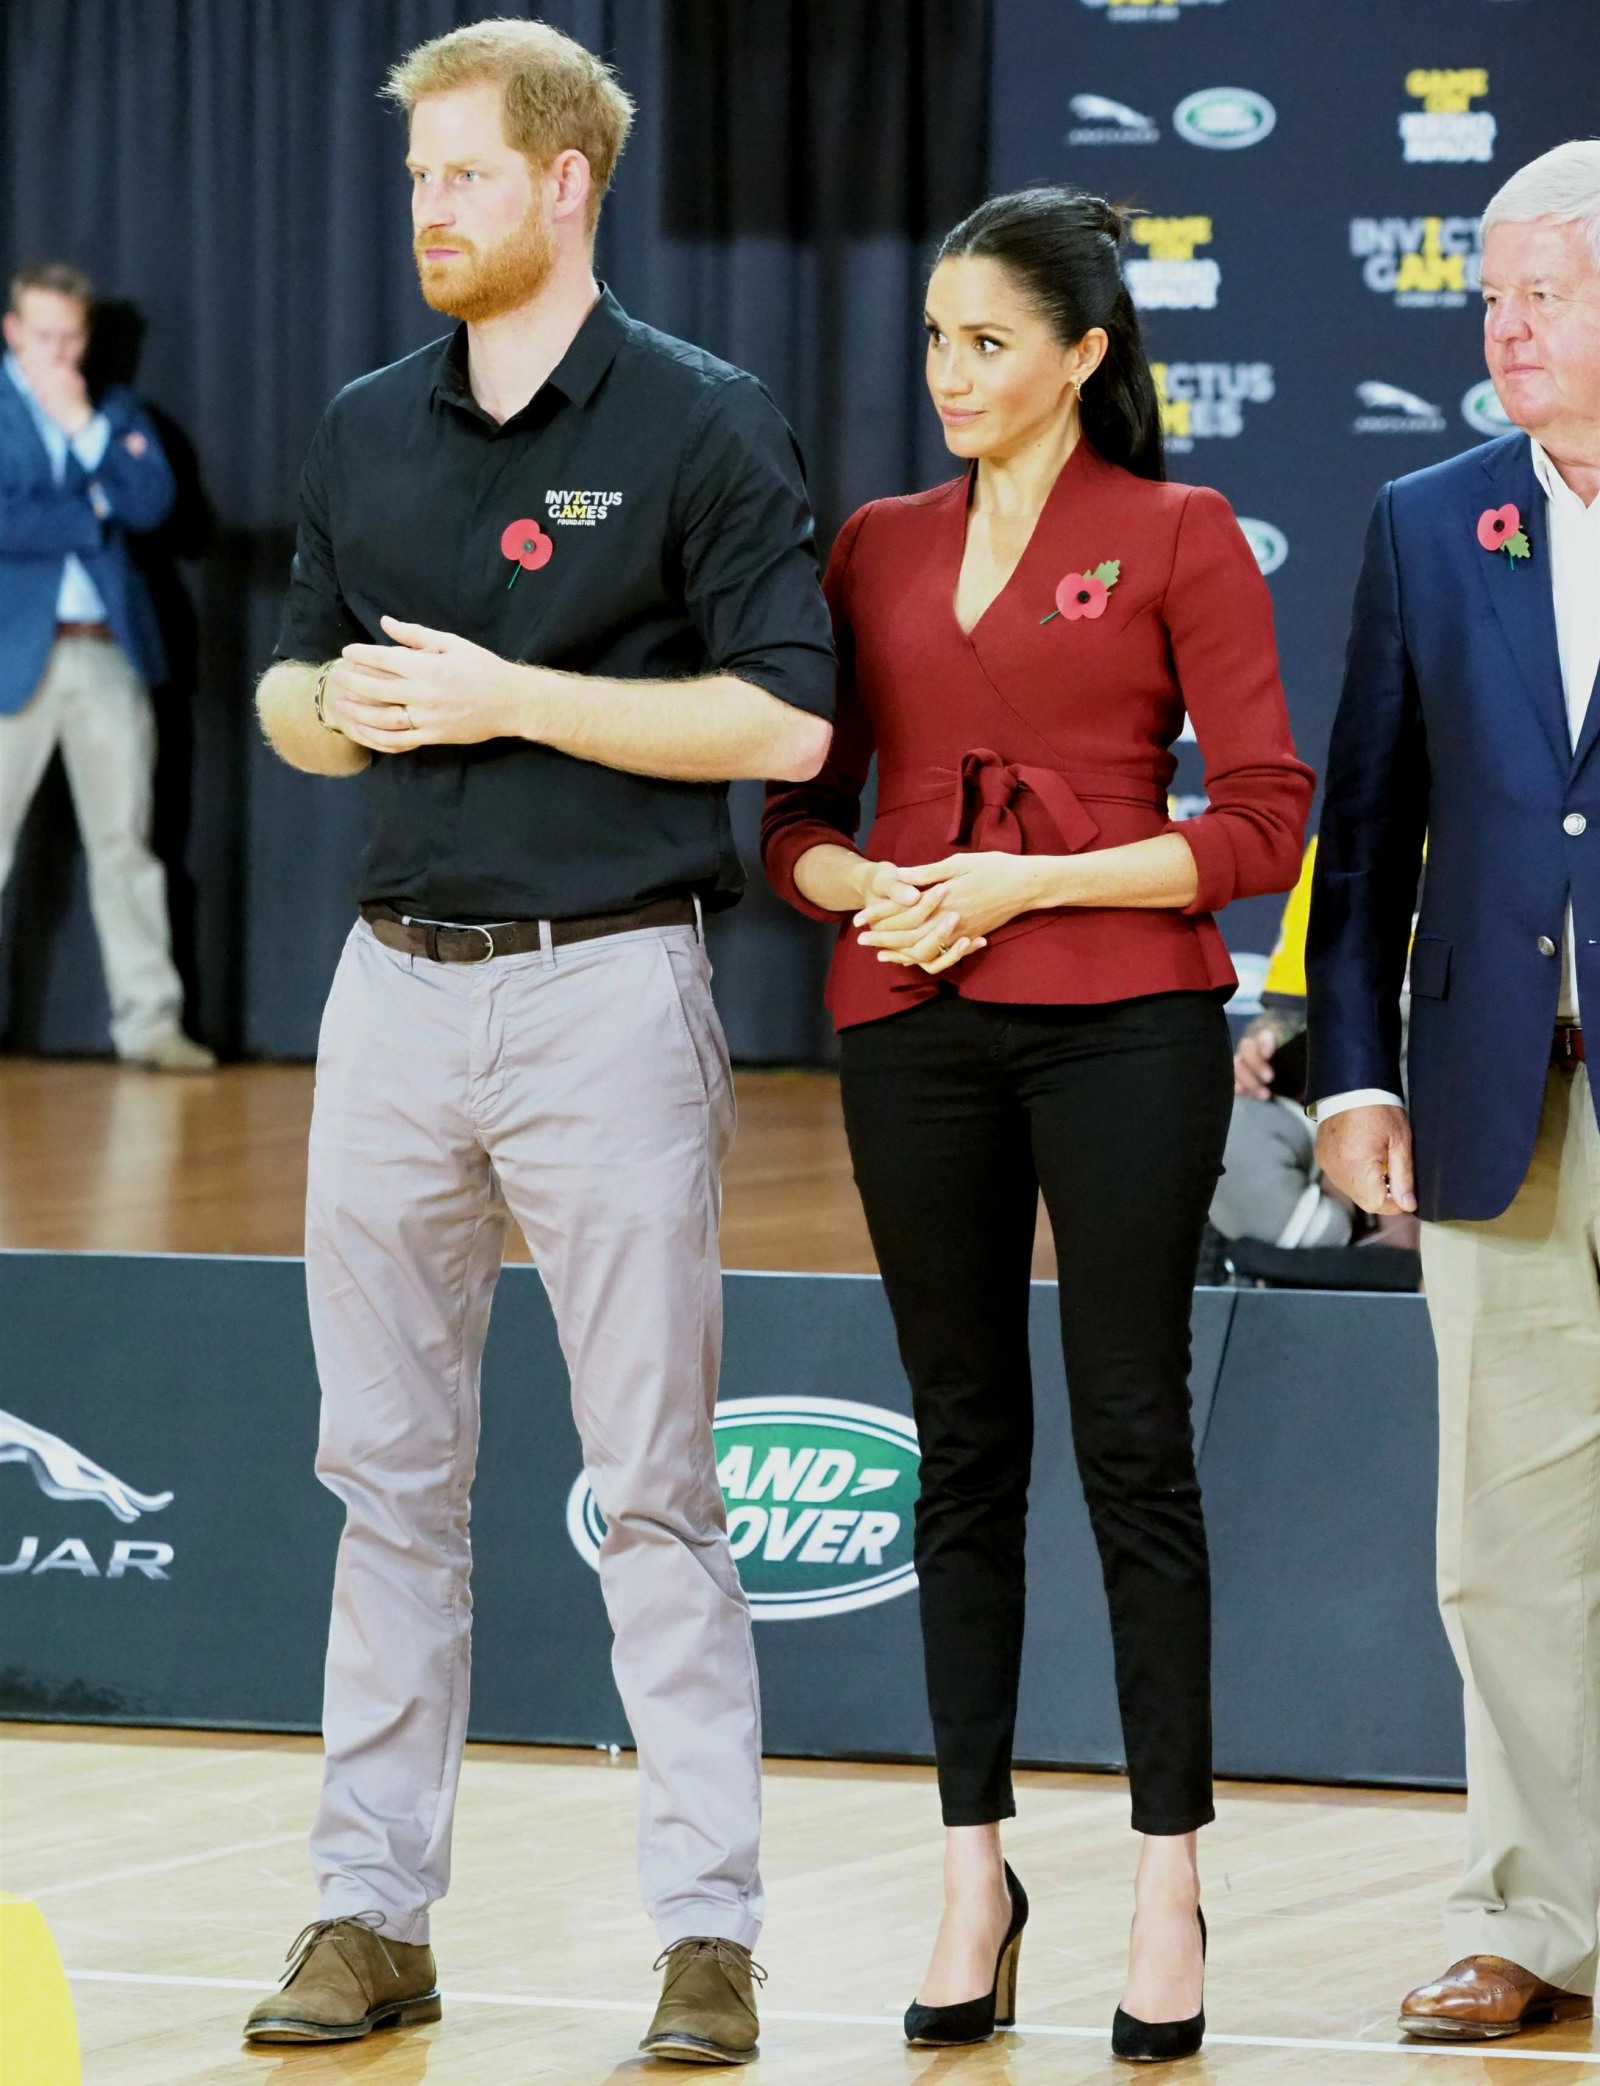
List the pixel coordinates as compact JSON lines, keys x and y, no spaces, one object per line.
{"x":589,"y":549}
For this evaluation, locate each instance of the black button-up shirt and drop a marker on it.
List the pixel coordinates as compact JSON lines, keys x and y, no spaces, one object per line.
{"x":673,"y":539}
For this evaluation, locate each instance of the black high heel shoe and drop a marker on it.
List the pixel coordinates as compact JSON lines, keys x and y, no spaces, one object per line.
{"x":1159,"y":2042}
{"x":975,"y":2020}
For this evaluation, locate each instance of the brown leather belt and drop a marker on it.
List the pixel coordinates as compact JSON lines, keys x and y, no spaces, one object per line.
{"x":1567,"y":1046}
{"x":449,"y":941}
{"x":99,"y":630}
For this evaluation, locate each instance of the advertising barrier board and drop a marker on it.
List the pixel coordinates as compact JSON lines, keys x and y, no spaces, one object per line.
{"x":166,"y":1553}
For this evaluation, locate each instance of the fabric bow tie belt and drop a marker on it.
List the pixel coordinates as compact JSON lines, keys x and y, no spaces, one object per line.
{"x":983,"y":795}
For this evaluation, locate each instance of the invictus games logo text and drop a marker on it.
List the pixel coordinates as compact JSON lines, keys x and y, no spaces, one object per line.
{"x":1447,"y":126}
{"x":819,"y":1493}
{"x":1200,"y":400}
{"x":1170,"y":278}
{"x":580,"y":509}
{"x":1421,"y":262}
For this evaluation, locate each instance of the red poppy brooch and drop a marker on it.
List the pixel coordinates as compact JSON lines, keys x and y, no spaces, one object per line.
{"x":1500,"y":528}
{"x":1082,"y":595}
{"x":527,"y":546}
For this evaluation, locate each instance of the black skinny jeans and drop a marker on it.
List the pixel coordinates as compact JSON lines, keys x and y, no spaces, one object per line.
{"x":959,"y":1112}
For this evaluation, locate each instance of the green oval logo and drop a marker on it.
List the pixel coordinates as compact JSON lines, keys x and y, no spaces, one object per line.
{"x":820,"y":1493}
{"x":1270,"y":544}
{"x":1482,"y":411}
{"x":1224,"y":118}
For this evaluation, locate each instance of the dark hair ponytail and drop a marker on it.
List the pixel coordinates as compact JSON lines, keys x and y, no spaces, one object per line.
{"x":1062,"y":247}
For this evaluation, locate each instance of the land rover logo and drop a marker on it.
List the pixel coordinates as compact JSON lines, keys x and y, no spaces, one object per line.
{"x":1481,"y":410}
{"x":1224,"y":118}
{"x":1270,"y":544}
{"x":819,"y":1493}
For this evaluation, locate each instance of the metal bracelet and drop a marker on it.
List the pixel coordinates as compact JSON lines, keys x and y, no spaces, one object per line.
{"x":321,"y":691}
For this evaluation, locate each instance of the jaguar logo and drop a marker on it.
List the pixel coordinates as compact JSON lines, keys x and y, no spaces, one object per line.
{"x":63,"y":1472}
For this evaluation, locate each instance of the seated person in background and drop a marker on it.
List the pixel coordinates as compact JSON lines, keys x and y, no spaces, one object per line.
{"x":1272,"y":1188}
{"x":79,"y":646}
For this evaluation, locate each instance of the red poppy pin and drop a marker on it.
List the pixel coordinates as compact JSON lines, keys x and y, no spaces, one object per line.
{"x":527,"y":546}
{"x":1083,"y":594}
{"x":1500,"y":528}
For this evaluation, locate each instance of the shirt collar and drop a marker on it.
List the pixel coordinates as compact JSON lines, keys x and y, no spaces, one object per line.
{"x":576,"y":376}
{"x":1556,"y":488}
{"x":13,"y":369}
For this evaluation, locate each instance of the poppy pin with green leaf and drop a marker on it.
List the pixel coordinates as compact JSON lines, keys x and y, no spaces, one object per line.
{"x":1082,"y":595}
{"x":1500,"y":528}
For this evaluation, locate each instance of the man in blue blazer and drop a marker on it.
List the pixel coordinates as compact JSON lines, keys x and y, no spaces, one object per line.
{"x":1468,"y":722}
{"x":79,"y":646}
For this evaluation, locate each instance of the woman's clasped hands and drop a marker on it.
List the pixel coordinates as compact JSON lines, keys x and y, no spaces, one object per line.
{"x":929,"y":918}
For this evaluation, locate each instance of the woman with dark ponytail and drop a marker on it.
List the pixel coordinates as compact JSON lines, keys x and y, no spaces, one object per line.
{"x":1029,"y":984}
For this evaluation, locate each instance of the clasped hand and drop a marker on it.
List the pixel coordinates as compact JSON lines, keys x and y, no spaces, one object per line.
{"x":428,"y":688}
{"x":930,"y":917}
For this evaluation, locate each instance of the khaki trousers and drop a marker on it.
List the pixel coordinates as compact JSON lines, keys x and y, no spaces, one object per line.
{"x":93,"y":705}
{"x":586,"y":1093}
{"x":1515,"y":1304}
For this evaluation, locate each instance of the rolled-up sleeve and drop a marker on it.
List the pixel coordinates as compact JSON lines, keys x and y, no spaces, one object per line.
{"x":747,"y":539}
{"x":1218,"y":615}
{"x":826,"y":811}
{"x":317,"y":621}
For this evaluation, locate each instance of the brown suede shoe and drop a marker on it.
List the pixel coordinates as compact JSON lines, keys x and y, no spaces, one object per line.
{"x":343,"y":1981}
{"x":1484,"y":1997}
{"x":707,"y":2013}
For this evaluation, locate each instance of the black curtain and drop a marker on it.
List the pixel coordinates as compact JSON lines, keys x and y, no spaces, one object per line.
{"x":227,"y":174}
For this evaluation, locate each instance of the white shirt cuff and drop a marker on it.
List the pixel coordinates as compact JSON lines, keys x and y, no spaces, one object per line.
{"x":1358,"y":1097}
{"x":89,"y":443}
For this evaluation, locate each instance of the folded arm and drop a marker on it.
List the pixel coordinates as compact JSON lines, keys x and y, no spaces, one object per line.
{"x":42,"y":520}
{"x":429,"y":688}
{"x":286,"y":703}
{"x":132,"y":473}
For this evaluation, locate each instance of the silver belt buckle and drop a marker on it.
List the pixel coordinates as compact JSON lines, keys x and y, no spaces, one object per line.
{"x":488,"y":935}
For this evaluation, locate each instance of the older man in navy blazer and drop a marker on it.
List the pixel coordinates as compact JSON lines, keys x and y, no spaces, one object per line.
{"x":79,"y":646}
{"x":1468,"y":722}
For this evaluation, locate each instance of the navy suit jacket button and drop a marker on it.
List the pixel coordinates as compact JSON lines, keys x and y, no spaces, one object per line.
{"x":1545,"y":946}
{"x":1574,"y":823}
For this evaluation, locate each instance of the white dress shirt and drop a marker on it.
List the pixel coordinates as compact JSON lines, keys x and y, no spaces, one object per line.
{"x":1572,"y":532}
{"x":79,"y":599}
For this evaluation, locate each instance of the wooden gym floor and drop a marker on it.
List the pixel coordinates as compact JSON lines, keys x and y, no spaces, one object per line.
{"x":172,"y":1869}
{"x":172,"y":1866}
{"x":99,"y":1156}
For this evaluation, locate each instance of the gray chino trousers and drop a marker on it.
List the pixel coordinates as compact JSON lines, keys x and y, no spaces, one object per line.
{"x":585,"y":1092}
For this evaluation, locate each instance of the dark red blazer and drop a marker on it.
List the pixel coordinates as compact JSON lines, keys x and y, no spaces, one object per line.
{"x":1052,"y":736}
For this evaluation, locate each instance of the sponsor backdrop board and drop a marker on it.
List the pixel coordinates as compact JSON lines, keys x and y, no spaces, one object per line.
{"x":166,"y":1554}
{"x":1308,"y":267}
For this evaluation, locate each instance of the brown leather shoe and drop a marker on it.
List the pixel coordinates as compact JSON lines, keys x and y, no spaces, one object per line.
{"x":343,"y":1981}
{"x":707,"y":2013}
{"x":1484,"y":1997}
